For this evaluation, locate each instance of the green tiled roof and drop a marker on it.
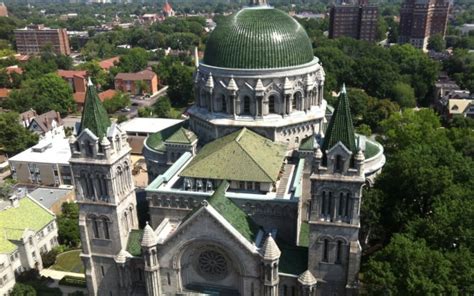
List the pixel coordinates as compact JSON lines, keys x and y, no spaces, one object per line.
{"x":307,"y":144}
{"x":157,"y":140}
{"x":14,"y":221}
{"x":340,"y":127}
{"x":258,"y":38}
{"x":134,"y":246}
{"x":94,"y":116}
{"x":232,"y":213}
{"x":182,"y":136}
{"x":239,"y":156}
{"x":371,"y":149}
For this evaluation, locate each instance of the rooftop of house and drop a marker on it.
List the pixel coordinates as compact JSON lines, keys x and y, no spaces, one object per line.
{"x":148,"y":125}
{"x":240,"y":156}
{"x":459,"y":106}
{"x":53,"y":150}
{"x":72,"y":73}
{"x":45,"y":121}
{"x":4,"y":92}
{"x":142,"y":75}
{"x":109,"y":63}
{"x":15,"y":220}
{"x":49,"y":196}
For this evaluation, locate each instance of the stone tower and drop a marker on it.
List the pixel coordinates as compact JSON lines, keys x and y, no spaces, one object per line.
{"x":270,"y":260}
{"x":100,"y":162}
{"x":150,"y":256}
{"x":336,"y":183}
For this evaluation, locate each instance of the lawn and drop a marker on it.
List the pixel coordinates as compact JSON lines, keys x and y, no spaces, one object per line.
{"x":69,"y":261}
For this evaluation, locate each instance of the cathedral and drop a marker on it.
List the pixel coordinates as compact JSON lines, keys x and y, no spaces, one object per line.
{"x":258,"y":192}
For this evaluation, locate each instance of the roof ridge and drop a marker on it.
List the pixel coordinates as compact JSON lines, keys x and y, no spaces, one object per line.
{"x":252,"y":158}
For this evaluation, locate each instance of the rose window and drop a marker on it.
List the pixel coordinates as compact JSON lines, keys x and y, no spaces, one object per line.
{"x":212,"y":263}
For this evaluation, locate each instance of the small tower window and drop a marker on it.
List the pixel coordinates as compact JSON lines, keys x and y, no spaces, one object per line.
{"x":271,"y":104}
{"x":326,"y":250}
{"x":224,"y":104}
{"x":105,"y":224}
{"x":338,"y":164}
{"x":339,"y":252}
{"x":246,"y":105}
{"x":96,"y":227}
{"x":348,"y":200}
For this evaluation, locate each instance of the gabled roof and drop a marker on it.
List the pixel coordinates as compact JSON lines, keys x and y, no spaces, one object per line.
{"x":72,"y":73}
{"x":182,"y":136}
{"x":142,"y":75}
{"x":44,"y":121}
{"x":94,"y":116}
{"x":134,"y":242}
{"x":109,"y":63}
{"x":241,"y":156}
{"x":340,"y":128}
{"x":232,"y":213}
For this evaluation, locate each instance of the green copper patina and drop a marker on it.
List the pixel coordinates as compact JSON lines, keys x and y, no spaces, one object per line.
{"x":94,"y":116}
{"x":258,"y":38}
{"x":340,"y":127}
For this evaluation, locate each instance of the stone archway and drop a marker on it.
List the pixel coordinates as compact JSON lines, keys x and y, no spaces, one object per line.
{"x":207,"y":267}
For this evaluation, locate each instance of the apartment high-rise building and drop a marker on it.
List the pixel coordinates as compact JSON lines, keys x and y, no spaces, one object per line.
{"x":356,"y":21}
{"x":420,"y":19}
{"x":33,"y":38}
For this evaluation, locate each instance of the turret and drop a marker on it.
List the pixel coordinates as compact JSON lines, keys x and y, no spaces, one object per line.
{"x":150,"y":256}
{"x":270,"y":259}
{"x":307,"y":284}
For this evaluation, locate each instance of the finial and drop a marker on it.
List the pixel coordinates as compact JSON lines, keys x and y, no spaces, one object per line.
{"x":146,"y":222}
{"x":343,"y":90}
{"x":258,"y":2}
{"x":89,"y":82}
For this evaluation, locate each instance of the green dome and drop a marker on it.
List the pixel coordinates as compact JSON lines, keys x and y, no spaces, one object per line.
{"x":258,"y":38}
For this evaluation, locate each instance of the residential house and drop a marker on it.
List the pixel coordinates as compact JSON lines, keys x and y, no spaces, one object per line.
{"x":53,"y":198}
{"x":109,"y":63}
{"x":129,"y":82}
{"x":47,"y":125}
{"x":27,"y":230}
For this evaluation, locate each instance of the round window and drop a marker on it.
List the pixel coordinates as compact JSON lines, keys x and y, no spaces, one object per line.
{"x":212,"y":264}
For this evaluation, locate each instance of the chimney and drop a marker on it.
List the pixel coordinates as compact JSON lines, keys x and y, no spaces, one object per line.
{"x":14,"y":202}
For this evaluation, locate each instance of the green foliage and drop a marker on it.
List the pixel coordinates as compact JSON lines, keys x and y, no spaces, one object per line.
{"x":23,"y":290}
{"x":134,"y":60}
{"x":14,"y":138}
{"x":163,"y":107}
{"x":68,"y":225}
{"x":118,"y":101}
{"x":409,"y":267}
{"x":122,"y":118}
{"x":49,"y":258}
{"x":460,"y":66}
{"x":45,"y":93}
{"x":95,"y":72}
{"x":364,"y":129}
{"x":437,"y":43}
{"x":73,"y":281}
{"x":180,"y":85}
{"x":404,"y":95}
{"x":145,"y":112}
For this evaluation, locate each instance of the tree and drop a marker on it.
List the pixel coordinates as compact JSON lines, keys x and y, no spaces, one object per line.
{"x":134,"y":60}
{"x":180,"y":89}
{"x":14,"y":138}
{"x":23,"y":290}
{"x":142,"y":87}
{"x":409,"y":267}
{"x":48,"y":92}
{"x":95,"y":72}
{"x":404,"y":95}
{"x":163,"y":107}
{"x":68,"y":225}
{"x":118,"y":101}
{"x":437,"y":43}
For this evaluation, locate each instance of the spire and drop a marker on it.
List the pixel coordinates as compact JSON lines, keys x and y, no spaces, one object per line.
{"x":270,"y":250}
{"x":340,"y":127}
{"x":258,"y":3}
{"x":94,"y":116}
{"x":307,"y":278}
{"x":149,"y":237}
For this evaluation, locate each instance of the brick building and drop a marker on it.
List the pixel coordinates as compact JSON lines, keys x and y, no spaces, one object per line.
{"x":128,"y":82}
{"x":3,"y":10}
{"x":33,"y":38}
{"x":356,"y":21}
{"x":420,"y":19}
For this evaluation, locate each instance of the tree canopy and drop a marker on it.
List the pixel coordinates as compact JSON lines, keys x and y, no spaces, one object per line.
{"x":14,"y":138}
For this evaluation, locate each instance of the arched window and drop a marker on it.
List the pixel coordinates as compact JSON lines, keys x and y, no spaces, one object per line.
{"x":89,"y":150}
{"x":339,"y":252}
{"x":125,"y":221}
{"x":326,"y":250}
{"x":338,"y":164}
{"x":297,"y":101}
{"x":271,"y":104}
{"x":324,"y":204}
{"x":284,"y":291}
{"x":246,"y":105}
{"x":105,"y":225}
{"x":224,"y":104}
{"x":341,"y":205}
{"x":153,"y":253}
{"x":117,"y":143}
{"x":95,"y":226}
{"x":293,"y":103}
{"x":348,"y":204}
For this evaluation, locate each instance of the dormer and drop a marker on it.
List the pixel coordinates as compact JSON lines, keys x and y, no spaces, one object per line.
{"x":338,"y":159}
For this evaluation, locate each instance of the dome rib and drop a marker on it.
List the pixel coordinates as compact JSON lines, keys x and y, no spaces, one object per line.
{"x":258,"y":38}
